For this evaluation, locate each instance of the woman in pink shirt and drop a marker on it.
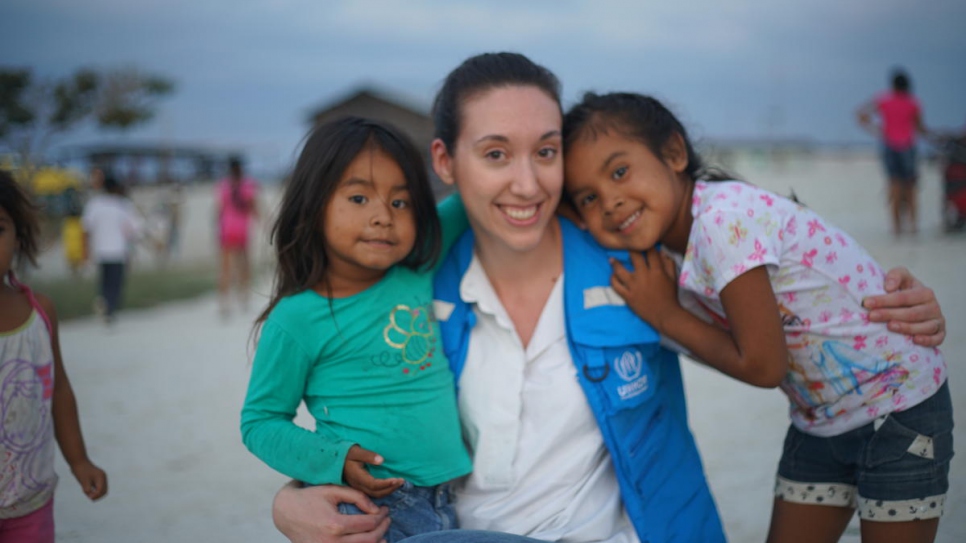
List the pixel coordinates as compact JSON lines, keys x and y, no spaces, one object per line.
{"x":236,"y":205}
{"x":900,"y":119}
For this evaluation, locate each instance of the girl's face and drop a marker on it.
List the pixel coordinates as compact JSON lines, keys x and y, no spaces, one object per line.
{"x":8,"y":242}
{"x":629,"y":198}
{"x":368,"y":224}
{"x":507,"y":164}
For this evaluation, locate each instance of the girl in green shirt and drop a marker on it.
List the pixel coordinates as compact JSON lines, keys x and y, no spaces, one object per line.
{"x":350,"y":330}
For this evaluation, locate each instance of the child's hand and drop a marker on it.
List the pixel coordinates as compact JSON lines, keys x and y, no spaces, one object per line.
{"x":92,"y":479}
{"x":357,"y":476}
{"x":651,"y":289}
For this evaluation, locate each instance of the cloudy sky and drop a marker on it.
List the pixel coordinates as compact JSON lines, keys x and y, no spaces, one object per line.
{"x":248,"y":71}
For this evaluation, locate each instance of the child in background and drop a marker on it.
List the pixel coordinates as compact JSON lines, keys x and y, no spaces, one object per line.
{"x":900,"y":121}
{"x":38,"y":402}
{"x":350,"y":330}
{"x":774,"y":298}
{"x":236,"y":201}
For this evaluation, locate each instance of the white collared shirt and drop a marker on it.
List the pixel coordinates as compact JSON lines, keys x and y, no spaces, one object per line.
{"x":540,"y":467}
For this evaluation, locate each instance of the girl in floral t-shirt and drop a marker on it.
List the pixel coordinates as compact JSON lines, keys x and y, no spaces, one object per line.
{"x":770,"y":293}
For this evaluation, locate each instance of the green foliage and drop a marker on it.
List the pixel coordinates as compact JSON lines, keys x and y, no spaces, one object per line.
{"x":13,"y":111}
{"x":32,"y":112}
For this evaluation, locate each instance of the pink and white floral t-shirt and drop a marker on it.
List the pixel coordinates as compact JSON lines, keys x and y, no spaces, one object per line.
{"x":844,"y":371}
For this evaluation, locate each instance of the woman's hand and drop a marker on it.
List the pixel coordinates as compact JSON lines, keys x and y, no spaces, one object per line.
{"x":355,"y":474}
{"x":909,"y":307}
{"x":311,"y":515}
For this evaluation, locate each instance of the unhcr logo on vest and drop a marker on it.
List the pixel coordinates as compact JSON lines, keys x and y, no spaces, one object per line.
{"x":630,"y":366}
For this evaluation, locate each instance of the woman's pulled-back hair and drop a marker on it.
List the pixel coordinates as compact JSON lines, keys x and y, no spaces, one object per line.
{"x":479,"y":74}
{"x":635,"y":116}
{"x":23,"y":213}
{"x":297,"y":234}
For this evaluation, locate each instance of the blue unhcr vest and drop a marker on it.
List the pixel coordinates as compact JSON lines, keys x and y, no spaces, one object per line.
{"x":633,"y":386}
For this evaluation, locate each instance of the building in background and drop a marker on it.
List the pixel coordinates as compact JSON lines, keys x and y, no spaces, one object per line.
{"x":384,"y":106}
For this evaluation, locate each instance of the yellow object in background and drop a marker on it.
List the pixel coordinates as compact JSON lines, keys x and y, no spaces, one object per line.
{"x":72,"y":236}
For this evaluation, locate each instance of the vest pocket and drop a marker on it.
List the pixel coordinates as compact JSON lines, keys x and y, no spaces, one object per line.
{"x":625,"y":376}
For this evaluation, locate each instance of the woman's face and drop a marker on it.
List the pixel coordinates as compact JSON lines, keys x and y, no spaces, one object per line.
{"x":507,"y":164}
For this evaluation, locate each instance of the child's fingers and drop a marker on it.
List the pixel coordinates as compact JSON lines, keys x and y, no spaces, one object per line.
{"x":620,"y":274}
{"x":670,"y":268}
{"x":641,"y":261}
{"x":384,"y":487}
{"x":358,"y":454}
{"x":98,"y":488}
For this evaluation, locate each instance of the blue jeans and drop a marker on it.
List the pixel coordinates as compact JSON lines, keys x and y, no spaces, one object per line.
{"x":414,"y":510}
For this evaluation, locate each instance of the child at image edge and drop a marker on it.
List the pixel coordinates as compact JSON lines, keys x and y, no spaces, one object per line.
{"x":37,"y":400}
{"x":774,"y":298}
{"x":350,"y":330}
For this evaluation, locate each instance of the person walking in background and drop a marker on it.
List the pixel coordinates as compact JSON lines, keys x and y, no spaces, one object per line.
{"x":900,"y":119}
{"x":38,"y":401}
{"x":235,"y":198}
{"x":72,"y":232}
{"x":111,"y":226}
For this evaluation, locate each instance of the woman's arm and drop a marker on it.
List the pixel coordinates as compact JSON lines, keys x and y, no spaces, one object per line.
{"x":67,"y":429}
{"x":753,"y":350}
{"x":311,"y":515}
{"x":909,"y":307}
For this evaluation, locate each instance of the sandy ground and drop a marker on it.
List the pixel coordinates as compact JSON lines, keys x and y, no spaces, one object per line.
{"x":160,"y":393}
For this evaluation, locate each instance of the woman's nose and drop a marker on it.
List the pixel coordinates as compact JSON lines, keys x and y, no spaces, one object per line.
{"x":525,"y":181}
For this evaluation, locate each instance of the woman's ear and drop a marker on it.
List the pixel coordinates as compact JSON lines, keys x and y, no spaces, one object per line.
{"x":442,"y":161}
{"x":676,"y":153}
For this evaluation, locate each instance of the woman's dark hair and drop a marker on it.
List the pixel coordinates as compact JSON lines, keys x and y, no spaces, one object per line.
{"x":638,"y":117}
{"x":23,"y":213}
{"x":329,"y":150}
{"x":479,"y":74}
{"x":900,"y":81}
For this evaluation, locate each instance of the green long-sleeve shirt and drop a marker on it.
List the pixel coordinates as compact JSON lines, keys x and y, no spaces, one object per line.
{"x":371,"y":370}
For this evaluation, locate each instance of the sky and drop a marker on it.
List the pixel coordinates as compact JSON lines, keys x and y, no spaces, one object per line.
{"x":248,"y":72}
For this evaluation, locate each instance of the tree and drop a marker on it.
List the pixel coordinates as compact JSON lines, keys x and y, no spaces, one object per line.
{"x":34,"y":112}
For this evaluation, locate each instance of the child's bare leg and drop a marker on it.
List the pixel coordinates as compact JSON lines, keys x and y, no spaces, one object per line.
{"x":895,"y":205}
{"x":244,"y":276}
{"x":914,"y":531}
{"x":224,"y":280}
{"x":912,"y":205}
{"x":806,"y":523}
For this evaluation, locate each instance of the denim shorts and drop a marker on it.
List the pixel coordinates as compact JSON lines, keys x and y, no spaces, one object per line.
{"x":414,"y":510}
{"x":900,"y":164}
{"x":894,"y":469}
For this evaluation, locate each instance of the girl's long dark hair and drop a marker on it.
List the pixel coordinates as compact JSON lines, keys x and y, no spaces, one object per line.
{"x":23,"y":213}
{"x":297,"y":233}
{"x":638,"y":117}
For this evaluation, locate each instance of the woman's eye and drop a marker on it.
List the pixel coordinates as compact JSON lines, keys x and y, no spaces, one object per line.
{"x":358,"y":199}
{"x":547,"y":152}
{"x":619,"y":173}
{"x":495,"y":154}
{"x":400,"y":204}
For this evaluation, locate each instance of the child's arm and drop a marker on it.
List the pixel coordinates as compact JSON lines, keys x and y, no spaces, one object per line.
{"x":67,"y":430}
{"x":280,"y":372}
{"x":754,"y":351}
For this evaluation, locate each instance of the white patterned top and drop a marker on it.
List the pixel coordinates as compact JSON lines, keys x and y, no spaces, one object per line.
{"x":844,"y":371}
